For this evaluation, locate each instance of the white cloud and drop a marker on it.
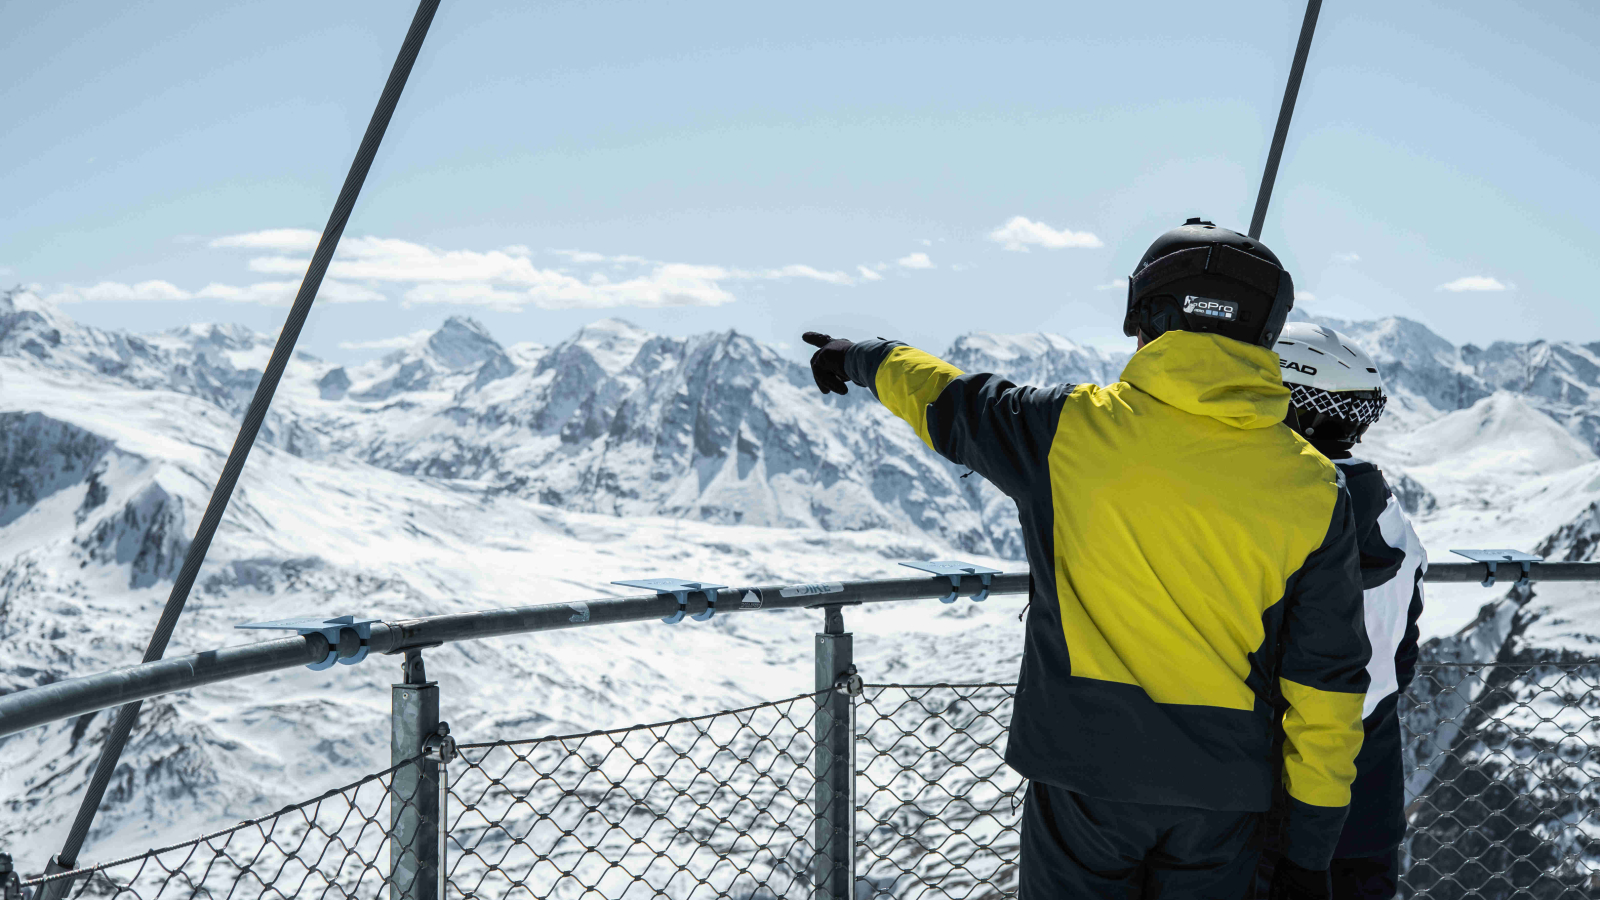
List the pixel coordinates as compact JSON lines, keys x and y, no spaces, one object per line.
{"x":581,"y":256}
{"x":269,"y":293}
{"x":1304,"y":297}
{"x":507,"y":278}
{"x":667,"y":285}
{"x":390,"y":343}
{"x":1020,"y":231}
{"x":799,"y":271}
{"x":1115,"y":284}
{"x":1476,"y":283}
{"x":1346,"y":258}
{"x":287,"y":239}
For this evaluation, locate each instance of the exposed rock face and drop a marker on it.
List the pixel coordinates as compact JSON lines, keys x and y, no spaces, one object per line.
{"x":148,"y":536}
{"x":39,"y":457}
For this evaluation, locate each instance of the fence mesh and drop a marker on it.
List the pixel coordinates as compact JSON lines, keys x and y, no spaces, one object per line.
{"x":1502,"y":766}
{"x":337,"y":845}
{"x":937,"y":805}
{"x":1500,"y":762}
{"x":714,"y":806}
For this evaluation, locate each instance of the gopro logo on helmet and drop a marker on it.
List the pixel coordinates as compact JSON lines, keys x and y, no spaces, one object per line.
{"x":1302,"y":368}
{"x":1227,"y":310}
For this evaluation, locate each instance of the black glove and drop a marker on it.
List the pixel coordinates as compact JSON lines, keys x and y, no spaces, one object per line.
{"x":827,"y":364}
{"x":1292,"y":882}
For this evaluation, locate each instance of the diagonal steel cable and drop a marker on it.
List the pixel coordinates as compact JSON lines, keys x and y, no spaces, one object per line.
{"x":1285,"y":112}
{"x":251,"y":426}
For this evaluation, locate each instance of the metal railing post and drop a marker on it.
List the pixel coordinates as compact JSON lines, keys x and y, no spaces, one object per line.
{"x":833,"y":797}
{"x":414,"y":807}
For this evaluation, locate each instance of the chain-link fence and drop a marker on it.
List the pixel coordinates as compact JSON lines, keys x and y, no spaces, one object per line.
{"x":1501,"y":766}
{"x":336,"y":846}
{"x":1502,"y":762}
{"x":713,"y":806}
{"x":937,"y":805}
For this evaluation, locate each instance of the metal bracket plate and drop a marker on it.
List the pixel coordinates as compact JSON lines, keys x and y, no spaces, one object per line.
{"x":954,"y":570}
{"x":1492,"y":558}
{"x":328,"y":628}
{"x":680,"y":589}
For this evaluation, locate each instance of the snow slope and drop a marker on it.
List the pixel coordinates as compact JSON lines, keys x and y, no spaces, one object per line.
{"x":458,"y":474}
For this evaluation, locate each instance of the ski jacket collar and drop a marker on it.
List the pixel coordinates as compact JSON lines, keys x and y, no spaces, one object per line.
{"x":1235,"y":383}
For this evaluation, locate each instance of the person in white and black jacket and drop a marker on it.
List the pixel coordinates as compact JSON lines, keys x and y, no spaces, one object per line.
{"x":1336,"y":393}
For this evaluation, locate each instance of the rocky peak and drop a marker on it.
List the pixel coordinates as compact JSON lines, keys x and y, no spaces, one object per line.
{"x":462,"y":343}
{"x":1039,"y":358}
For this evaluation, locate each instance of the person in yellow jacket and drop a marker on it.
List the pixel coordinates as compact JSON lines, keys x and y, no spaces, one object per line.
{"x":1195,"y":585}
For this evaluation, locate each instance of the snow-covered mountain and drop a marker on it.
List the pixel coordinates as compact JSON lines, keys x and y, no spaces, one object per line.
{"x":459,"y":473}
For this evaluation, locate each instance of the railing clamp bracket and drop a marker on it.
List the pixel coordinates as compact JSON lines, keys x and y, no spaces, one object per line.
{"x":440,"y":745}
{"x":1492,"y":558}
{"x":680,"y":589}
{"x":850,"y":683}
{"x":332,"y":629}
{"x":954,"y":570}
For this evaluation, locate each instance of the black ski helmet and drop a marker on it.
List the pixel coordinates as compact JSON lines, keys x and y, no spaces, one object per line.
{"x":1198,"y":277}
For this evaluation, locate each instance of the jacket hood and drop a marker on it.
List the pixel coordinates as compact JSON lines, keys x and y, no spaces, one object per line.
{"x":1233,"y":382}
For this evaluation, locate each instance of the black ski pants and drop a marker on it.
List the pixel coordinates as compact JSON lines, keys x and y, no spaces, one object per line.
{"x":1081,"y":847}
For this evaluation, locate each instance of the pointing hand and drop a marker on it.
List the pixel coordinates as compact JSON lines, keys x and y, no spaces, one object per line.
{"x":827,"y":364}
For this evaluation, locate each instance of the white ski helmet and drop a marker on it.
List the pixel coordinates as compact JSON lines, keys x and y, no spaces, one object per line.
{"x":1335,"y":389}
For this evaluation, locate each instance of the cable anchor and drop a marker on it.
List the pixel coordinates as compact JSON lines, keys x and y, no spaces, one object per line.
{"x":680,"y":590}
{"x":348,"y":637}
{"x":1492,"y":558}
{"x":954,"y":570}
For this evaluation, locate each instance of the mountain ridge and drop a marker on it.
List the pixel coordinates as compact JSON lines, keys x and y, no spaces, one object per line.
{"x":459,"y":473}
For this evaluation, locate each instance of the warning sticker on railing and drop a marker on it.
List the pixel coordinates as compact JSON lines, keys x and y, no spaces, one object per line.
{"x":807,"y":590}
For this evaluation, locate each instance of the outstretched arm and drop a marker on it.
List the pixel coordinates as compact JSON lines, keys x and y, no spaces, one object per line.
{"x":998,"y":429}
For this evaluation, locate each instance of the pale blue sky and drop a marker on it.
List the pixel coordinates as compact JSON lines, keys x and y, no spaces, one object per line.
{"x":755,"y":157}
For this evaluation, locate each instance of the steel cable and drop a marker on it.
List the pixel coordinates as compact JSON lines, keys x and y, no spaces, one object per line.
{"x":253,"y":419}
{"x":1285,"y":112}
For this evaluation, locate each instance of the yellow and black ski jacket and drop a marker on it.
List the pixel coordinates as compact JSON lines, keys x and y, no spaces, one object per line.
{"x":1194,"y":566}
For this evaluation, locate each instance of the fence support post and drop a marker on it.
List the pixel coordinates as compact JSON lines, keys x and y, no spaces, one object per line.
{"x":833,"y":798}
{"x":414,"y":863}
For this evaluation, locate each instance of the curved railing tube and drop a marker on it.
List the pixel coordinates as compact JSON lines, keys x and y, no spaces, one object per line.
{"x":76,"y":696}
{"x":67,"y":699}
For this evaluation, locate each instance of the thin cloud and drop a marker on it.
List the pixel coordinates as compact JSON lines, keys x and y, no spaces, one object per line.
{"x":581,"y":256}
{"x":868,"y":274}
{"x":914,"y":261}
{"x":1346,"y":259}
{"x":509,"y":279}
{"x":1115,"y":284}
{"x":1020,"y":232}
{"x":268,"y":293}
{"x":286,"y":239}
{"x":799,"y":271}
{"x":1304,"y":297}
{"x":390,"y":343}
{"x":1476,"y":283}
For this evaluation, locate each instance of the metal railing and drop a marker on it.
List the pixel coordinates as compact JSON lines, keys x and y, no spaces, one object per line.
{"x":1502,"y":758}
{"x":879,"y":790}
{"x":74,"y":697}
